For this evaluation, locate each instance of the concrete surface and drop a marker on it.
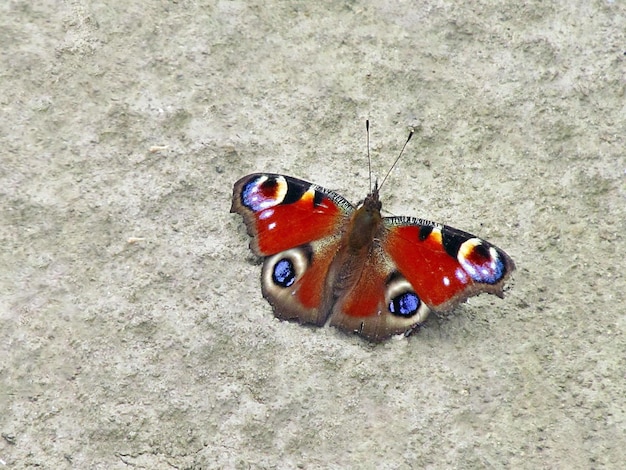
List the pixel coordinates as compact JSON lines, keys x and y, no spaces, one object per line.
{"x":133,"y":331}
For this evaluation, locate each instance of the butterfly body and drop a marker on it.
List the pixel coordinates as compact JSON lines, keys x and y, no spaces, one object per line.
{"x":325,"y":259}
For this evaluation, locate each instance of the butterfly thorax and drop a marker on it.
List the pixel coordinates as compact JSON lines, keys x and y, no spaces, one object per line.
{"x":364,"y":224}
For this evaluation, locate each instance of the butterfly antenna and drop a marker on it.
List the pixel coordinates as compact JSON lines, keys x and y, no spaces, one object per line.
{"x":397,"y":159}
{"x":369,"y":160}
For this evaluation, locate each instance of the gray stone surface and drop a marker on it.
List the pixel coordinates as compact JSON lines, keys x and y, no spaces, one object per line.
{"x":132,"y":328}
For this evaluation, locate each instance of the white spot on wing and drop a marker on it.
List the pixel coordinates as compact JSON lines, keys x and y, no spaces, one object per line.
{"x":266,"y":214}
{"x":461,"y":275}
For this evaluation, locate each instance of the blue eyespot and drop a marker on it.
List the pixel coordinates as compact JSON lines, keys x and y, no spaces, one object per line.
{"x":405,"y":305}
{"x":483,"y":264}
{"x":284,"y":274}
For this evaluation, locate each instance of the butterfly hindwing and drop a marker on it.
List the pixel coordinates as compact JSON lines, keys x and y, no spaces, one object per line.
{"x":380,"y":302}
{"x":294,"y":281}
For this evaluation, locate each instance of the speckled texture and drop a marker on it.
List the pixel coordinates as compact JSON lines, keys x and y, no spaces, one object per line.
{"x":133,"y":331}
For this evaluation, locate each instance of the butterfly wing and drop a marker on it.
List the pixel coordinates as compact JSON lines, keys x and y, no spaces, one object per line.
{"x":297,"y":226}
{"x":414,"y":266}
{"x":379,"y":302}
{"x":445,"y":265}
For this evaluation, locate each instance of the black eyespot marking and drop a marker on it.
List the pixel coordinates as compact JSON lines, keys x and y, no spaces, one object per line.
{"x":270,"y":184}
{"x":425,"y":230}
{"x":482,"y":251}
{"x":405,"y":305}
{"x":393,"y":277}
{"x":295,"y":191}
{"x":284,"y":273}
{"x":318,"y":198}
{"x":452,"y":240}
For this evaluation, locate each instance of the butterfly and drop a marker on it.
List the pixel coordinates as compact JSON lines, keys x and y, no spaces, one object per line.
{"x":326,"y":259}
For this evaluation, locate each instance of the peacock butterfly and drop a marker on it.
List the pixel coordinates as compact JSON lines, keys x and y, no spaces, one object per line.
{"x":376,"y":276}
